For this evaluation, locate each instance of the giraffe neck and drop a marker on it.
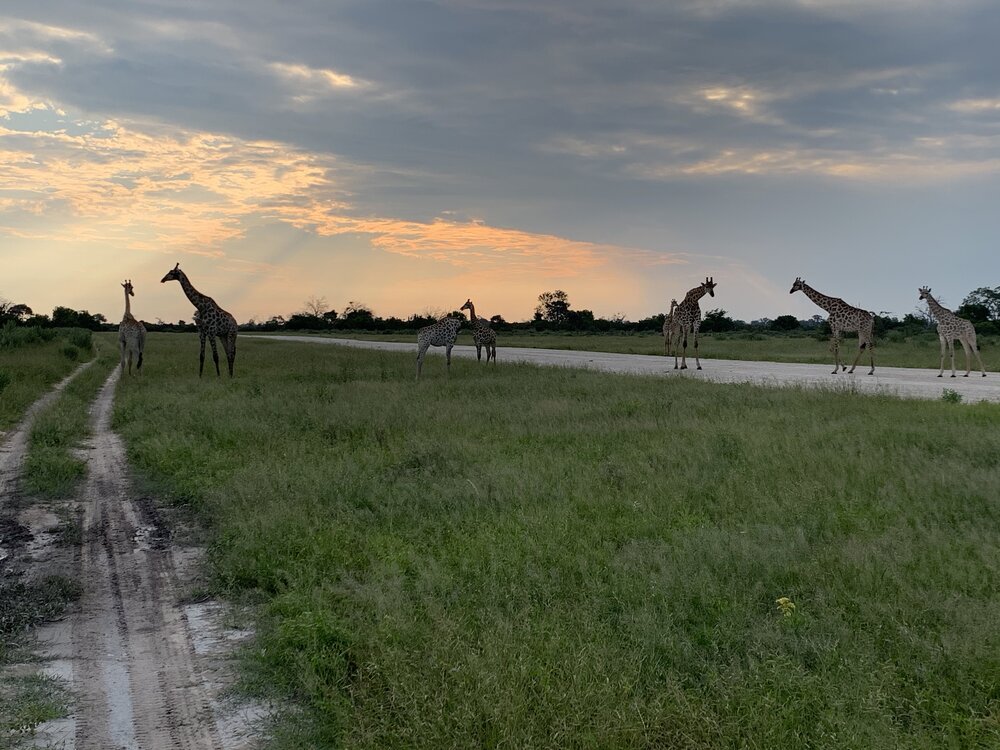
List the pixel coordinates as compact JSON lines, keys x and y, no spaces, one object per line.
{"x":827,"y":303}
{"x":936,"y":308}
{"x":128,"y":307}
{"x":472,"y":313}
{"x":197,"y":298}
{"x":693,"y":296}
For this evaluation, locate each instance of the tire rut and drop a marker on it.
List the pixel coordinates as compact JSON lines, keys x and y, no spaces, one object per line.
{"x":133,"y":665}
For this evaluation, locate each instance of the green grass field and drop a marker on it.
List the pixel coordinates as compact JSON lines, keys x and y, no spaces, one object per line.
{"x":30,"y":365}
{"x":551,"y":558}
{"x":894,"y":351}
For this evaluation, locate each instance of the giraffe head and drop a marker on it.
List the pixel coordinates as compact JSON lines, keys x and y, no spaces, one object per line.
{"x":709,"y":286}
{"x":173,"y":275}
{"x":925,"y":292}
{"x":673,"y":304}
{"x":798,"y":284}
{"x":467,"y":305}
{"x":127,"y":286}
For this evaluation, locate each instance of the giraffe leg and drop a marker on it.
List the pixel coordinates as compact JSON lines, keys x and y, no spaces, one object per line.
{"x":697,"y":361}
{"x":861,"y":348}
{"x":121,"y":348}
{"x":230,"y":348}
{"x":479,"y":353}
{"x":944,"y":346}
{"x":215,"y":355}
{"x":951,"y":353}
{"x":835,"y":348}
{"x":968,"y":357}
{"x":421,"y":351}
{"x":138,"y":367}
{"x":447,"y":356}
{"x":972,"y":343}
{"x":201,"y":355}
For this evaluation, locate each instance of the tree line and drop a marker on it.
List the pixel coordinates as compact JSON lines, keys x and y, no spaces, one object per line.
{"x":554,"y":312}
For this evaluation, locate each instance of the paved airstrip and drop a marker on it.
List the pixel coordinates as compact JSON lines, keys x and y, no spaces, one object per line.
{"x":899,"y":381}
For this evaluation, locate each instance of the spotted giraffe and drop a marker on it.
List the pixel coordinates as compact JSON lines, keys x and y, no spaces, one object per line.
{"x":443,"y":333}
{"x":211,"y":320}
{"x":687,"y":319}
{"x":131,"y":335}
{"x":669,"y":332}
{"x":949,"y":328}
{"x":482,"y":334}
{"x":843,"y":318}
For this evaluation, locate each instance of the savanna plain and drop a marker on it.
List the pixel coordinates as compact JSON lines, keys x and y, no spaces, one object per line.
{"x":526,"y":557}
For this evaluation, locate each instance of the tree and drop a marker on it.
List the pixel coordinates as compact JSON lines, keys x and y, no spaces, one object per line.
{"x":553,"y":307}
{"x":717,"y":321}
{"x":14,"y":311}
{"x":785,"y":323}
{"x":316,"y":306}
{"x":988,"y":298}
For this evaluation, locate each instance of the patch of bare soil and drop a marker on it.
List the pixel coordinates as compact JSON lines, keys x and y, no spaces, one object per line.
{"x":146,"y":671}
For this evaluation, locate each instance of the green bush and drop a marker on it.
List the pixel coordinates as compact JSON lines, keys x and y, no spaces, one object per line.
{"x":81,"y":338}
{"x":71,"y":352}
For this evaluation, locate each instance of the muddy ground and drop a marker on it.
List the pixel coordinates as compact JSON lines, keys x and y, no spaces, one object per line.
{"x":147,"y":667}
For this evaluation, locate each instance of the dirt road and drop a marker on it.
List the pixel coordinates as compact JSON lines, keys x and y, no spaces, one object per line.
{"x":900,"y":381}
{"x":146,"y":671}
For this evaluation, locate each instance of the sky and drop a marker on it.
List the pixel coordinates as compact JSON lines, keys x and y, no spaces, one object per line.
{"x":410,"y":154}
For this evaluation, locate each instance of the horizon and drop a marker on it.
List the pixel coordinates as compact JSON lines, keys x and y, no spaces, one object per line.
{"x":410,"y":157}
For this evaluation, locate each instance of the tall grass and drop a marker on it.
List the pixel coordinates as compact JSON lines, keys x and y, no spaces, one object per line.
{"x":526,"y":557}
{"x":51,"y":469}
{"x":893,"y":351}
{"x":32,"y":360}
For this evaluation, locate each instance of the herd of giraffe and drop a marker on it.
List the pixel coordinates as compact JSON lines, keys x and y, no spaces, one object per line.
{"x":683,"y":320}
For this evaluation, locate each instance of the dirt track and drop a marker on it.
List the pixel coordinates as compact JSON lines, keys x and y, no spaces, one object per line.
{"x":145,"y":670}
{"x":900,"y":381}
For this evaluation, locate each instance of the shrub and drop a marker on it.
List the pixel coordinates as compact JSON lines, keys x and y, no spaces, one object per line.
{"x":951,"y":397}
{"x":81,"y":338}
{"x":4,"y":379}
{"x":71,"y":352}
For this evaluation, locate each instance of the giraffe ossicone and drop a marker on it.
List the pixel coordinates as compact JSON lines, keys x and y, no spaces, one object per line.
{"x":212,"y":321}
{"x":949,"y":328}
{"x":844,"y":318}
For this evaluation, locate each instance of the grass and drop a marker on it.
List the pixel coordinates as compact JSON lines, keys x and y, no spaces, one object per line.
{"x":894,"y":351}
{"x":523,"y":557}
{"x":32,"y":360}
{"x":26,"y":702}
{"x":50,"y":468}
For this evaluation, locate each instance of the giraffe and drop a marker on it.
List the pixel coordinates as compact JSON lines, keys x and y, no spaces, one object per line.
{"x":211,"y":320}
{"x":131,"y":335}
{"x":669,"y":332}
{"x":951,"y":327}
{"x":482,"y":334}
{"x":843,"y":318}
{"x":687,"y":319}
{"x":443,"y":333}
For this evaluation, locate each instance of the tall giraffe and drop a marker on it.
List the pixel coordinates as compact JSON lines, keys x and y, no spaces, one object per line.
{"x":687,"y":319}
{"x":669,"y":324}
{"x":211,"y":320}
{"x":482,"y":334}
{"x":443,"y":333}
{"x":843,"y":318}
{"x":131,"y":335}
{"x":949,"y":328}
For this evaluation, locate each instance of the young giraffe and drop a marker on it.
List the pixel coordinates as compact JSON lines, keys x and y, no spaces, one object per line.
{"x":482,"y":334}
{"x":843,"y":318}
{"x":669,"y":331}
{"x":687,"y":319}
{"x":131,"y":335}
{"x":211,"y":320}
{"x":951,"y":327}
{"x":443,"y":333}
